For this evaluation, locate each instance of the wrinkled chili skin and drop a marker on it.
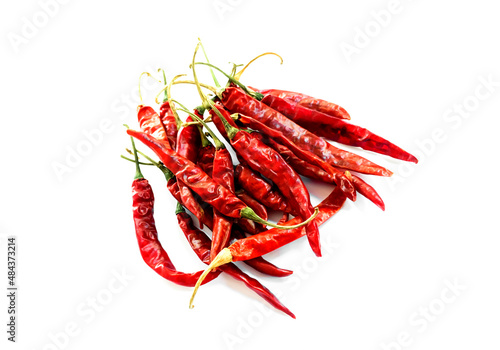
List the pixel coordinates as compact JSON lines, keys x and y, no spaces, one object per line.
{"x":150,"y":123}
{"x":270,"y":164}
{"x":152,"y":251}
{"x":223,"y":174}
{"x":167,"y":116}
{"x":200,"y":242}
{"x":250,"y":226}
{"x":338,"y":176}
{"x":315,"y":104}
{"x":261,"y":190}
{"x":313,"y":172}
{"x":207,"y":216}
{"x":206,"y":159}
{"x":368,"y":191}
{"x":260,"y":264}
{"x":236,"y":101}
{"x":265,"y":242}
{"x":336,"y":129}
{"x":188,"y":144}
{"x":190,"y":174}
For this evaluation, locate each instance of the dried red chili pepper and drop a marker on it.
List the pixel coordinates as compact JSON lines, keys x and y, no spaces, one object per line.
{"x":151,"y":249}
{"x":313,"y":172}
{"x":201,"y":244}
{"x":338,"y":176}
{"x":312,"y":103}
{"x":270,"y":164}
{"x":236,"y":101}
{"x":265,"y":242}
{"x":188,"y":144}
{"x":336,"y":129}
{"x":150,"y":123}
{"x":261,"y":190}
{"x":248,"y":225}
{"x":193,"y":176}
{"x":260,"y":264}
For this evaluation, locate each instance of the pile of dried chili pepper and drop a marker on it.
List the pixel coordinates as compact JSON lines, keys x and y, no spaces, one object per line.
{"x":278,"y":138}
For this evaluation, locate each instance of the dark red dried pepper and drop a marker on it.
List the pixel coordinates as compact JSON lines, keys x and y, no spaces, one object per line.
{"x":312,"y":103}
{"x":270,"y":164}
{"x":151,"y":249}
{"x":193,"y":176}
{"x":201,"y":244}
{"x":336,"y":129}
{"x":236,"y":101}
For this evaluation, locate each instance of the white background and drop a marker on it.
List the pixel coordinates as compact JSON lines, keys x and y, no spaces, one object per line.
{"x":380,"y":270}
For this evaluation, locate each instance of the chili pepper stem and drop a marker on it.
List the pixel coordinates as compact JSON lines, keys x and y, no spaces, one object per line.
{"x":179,"y":208}
{"x":238,"y":75}
{"x":248,"y":213}
{"x":224,"y":257}
{"x":254,"y":94}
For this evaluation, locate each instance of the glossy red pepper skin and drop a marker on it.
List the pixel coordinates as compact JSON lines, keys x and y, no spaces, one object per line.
{"x":261,"y":190}
{"x":151,"y":249}
{"x":260,"y":264}
{"x":200,"y":243}
{"x":270,"y":164}
{"x":336,"y":129}
{"x":338,"y":176}
{"x":250,"y":226}
{"x":313,"y":172}
{"x":265,"y":242}
{"x":150,"y":123}
{"x":312,"y":103}
{"x":188,"y":144}
{"x":193,"y":176}
{"x":168,"y":118}
{"x":236,"y":101}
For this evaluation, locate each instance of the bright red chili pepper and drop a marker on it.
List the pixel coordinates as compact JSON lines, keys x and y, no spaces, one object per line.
{"x":248,"y":225}
{"x":151,"y":249}
{"x":339,"y":177}
{"x":168,"y":118}
{"x":236,"y":101}
{"x":270,"y":164}
{"x":201,"y":244}
{"x":150,"y":123}
{"x":188,"y":144}
{"x":193,"y":176}
{"x":313,"y":172}
{"x":265,"y":242}
{"x":261,"y":190}
{"x":336,"y":129}
{"x":315,"y":104}
{"x":260,"y":264}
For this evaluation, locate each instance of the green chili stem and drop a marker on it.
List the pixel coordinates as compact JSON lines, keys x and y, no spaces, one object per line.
{"x":133,"y":161}
{"x":211,"y":71}
{"x":256,"y":95}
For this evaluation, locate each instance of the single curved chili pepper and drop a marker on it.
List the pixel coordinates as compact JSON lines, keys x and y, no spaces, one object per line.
{"x":223,"y":174}
{"x":150,"y":123}
{"x":260,"y":264}
{"x":236,"y":101}
{"x":270,"y":164}
{"x":265,"y":242}
{"x":168,"y":119}
{"x":315,"y":104}
{"x":188,"y":144}
{"x":313,"y":172}
{"x":261,"y":190}
{"x":209,"y":191}
{"x":339,"y":177}
{"x":151,"y":249}
{"x":201,"y":244}
{"x":336,"y":129}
